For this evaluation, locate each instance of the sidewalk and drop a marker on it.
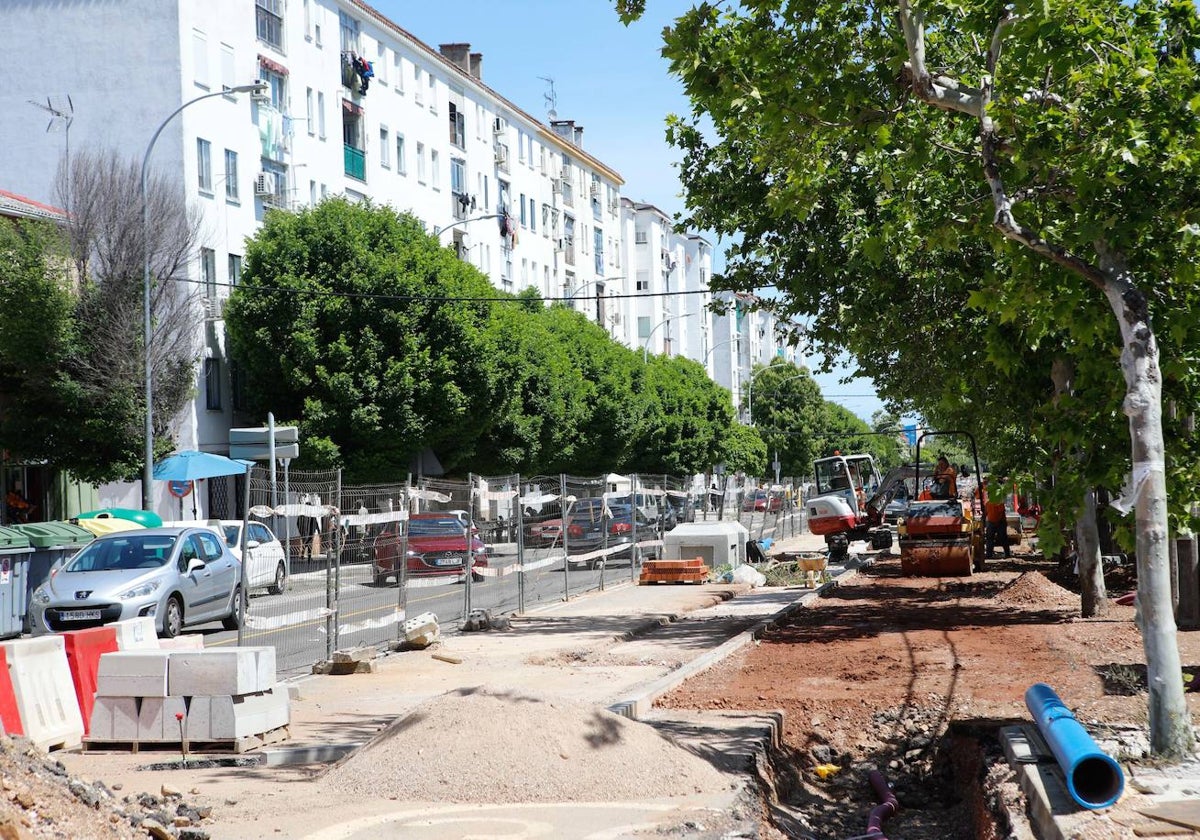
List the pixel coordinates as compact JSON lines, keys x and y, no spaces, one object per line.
{"x":618,"y":649}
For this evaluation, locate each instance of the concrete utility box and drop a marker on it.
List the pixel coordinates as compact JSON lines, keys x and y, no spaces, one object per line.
{"x":717,"y":543}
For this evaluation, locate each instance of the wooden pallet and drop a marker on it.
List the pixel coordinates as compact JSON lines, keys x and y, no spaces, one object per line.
{"x":231,"y":745}
{"x":674,"y":571}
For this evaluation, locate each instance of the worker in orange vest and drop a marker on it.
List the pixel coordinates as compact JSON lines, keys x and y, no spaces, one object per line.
{"x":996,"y":525}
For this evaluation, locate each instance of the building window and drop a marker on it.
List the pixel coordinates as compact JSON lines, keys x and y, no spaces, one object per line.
{"x":432,"y":94}
{"x":398,"y":67}
{"x":349,"y":30}
{"x":277,"y":88}
{"x":418,"y":88}
{"x":401,"y":159}
{"x":546,"y":220}
{"x":598,"y":250}
{"x":208,"y":272}
{"x":533,"y":215}
{"x":639,"y":237}
{"x":380,"y":65}
{"x":643,"y":281}
{"x":200,"y":58}
{"x":458,"y":127}
{"x":524,"y":218}
{"x":227,"y":67}
{"x":435,"y":169}
{"x":458,"y":187}
{"x":311,"y":111}
{"x":269,"y":20}
{"x":385,"y":148}
{"x":521,"y":146}
{"x":212,"y":384}
{"x":231,"y":175}
{"x":312,"y":193}
{"x":308,"y":20}
{"x":235,"y":269}
{"x":321,"y":114}
{"x":204,"y":164}
{"x":643,"y":328}
{"x":421,"y":163}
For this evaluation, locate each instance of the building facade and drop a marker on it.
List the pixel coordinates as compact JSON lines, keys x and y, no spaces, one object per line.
{"x":352,"y":105}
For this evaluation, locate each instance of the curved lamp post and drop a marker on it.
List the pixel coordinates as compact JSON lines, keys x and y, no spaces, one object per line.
{"x":438,"y":231}
{"x":649,"y":335}
{"x":148,"y":466}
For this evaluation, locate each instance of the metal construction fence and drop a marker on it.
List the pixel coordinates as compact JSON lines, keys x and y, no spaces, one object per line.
{"x":362,"y":559}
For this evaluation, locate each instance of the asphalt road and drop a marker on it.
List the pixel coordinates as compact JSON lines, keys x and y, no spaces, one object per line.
{"x":298,"y":622}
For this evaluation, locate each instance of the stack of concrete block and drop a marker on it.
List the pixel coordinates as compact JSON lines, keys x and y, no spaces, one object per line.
{"x":223,"y":695}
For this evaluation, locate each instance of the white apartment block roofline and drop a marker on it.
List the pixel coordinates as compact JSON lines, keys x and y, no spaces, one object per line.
{"x":695,"y":237}
{"x":640,"y":206}
{"x":466,"y":78}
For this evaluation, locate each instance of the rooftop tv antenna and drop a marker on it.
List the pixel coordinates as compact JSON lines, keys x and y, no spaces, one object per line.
{"x":60,"y":114}
{"x":551,"y":98}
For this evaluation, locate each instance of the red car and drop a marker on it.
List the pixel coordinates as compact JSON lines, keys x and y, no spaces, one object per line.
{"x":436,"y":545}
{"x":762,"y":500}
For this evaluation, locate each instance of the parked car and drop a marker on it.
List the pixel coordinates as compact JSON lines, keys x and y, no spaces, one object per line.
{"x":268,"y":566}
{"x":761,"y":500}
{"x":436,"y":545}
{"x":678,"y":508}
{"x":613,"y":531}
{"x":178,"y":576}
{"x":549,"y":532}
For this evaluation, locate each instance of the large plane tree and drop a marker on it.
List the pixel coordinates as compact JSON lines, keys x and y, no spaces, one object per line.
{"x":1064,"y":135}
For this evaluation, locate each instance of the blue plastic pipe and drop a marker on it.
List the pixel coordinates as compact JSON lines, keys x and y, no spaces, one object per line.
{"x":1094,"y":779}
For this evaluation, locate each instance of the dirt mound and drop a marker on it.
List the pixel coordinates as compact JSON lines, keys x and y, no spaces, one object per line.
{"x":1033,"y":589}
{"x":491,"y":744}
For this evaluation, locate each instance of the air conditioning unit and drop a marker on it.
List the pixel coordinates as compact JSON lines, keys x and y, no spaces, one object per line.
{"x":265,"y":184}
{"x":214,"y":308}
{"x":556,"y":186}
{"x":614,"y":318}
{"x":261,"y":95}
{"x":614,"y":205}
{"x":502,"y":155}
{"x":566,"y":174}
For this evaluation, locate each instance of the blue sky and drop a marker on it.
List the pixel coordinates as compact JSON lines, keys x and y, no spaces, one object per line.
{"x":609,"y":78}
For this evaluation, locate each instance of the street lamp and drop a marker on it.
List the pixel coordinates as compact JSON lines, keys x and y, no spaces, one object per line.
{"x":440,"y":230}
{"x":712,"y":349}
{"x":148,"y":467}
{"x":649,"y":335}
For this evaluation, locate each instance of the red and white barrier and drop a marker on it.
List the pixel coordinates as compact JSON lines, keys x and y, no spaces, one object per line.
{"x":44,"y":691}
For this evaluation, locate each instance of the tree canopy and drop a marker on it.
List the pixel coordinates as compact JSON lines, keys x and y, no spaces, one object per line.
{"x":1022,"y":178}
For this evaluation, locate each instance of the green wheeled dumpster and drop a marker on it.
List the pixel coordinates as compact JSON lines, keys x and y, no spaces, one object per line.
{"x":145,"y":518}
{"x":14,"y":568}
{"x":51,"y":544}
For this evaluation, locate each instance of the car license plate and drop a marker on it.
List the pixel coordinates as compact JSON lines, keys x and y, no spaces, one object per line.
{"x":448,"y":561}
{"x":81,"y":615}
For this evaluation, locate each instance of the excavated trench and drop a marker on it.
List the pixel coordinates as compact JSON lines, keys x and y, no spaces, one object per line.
{"x":953,"y":786}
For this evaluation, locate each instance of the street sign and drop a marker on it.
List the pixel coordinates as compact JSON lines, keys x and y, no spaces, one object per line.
{"x":254,"y":444}
{"x":179,"y":489}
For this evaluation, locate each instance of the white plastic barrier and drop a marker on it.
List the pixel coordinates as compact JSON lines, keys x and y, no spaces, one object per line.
{"x":45,"y":693}
{"x":193,"y":642}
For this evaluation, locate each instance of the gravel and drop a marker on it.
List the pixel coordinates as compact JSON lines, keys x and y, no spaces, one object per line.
{"x":497,"y":744}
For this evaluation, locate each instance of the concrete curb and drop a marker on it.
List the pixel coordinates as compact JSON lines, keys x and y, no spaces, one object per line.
{"x":639,"y":705}
{"x":1040,"y":779}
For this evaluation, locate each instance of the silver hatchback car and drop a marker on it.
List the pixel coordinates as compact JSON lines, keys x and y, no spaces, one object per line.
{"x":178,"y":576}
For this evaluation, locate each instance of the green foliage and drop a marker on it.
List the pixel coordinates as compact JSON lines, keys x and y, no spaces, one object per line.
{"x":353,"y":320}
{"x":743,"y":450}
{"x":55,"y":406}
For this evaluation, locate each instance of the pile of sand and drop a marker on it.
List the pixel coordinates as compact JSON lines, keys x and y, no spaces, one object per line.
{"x":1033,"y":589}
{"x":491,"y":744}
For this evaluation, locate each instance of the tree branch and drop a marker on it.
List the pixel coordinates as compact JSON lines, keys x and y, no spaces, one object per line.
{"x":941,"y":91}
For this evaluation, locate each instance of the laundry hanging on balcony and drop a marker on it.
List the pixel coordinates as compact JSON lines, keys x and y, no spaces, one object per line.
{"x":270,"y":132}
{"x":365,"y":72}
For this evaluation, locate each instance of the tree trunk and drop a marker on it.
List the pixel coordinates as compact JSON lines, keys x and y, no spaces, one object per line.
{"x":1087,"y":553}
{"x":1170,"y":725}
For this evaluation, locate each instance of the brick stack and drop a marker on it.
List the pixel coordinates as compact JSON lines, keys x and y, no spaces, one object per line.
{"x":674,"y":571}
{"x":228,"y":699}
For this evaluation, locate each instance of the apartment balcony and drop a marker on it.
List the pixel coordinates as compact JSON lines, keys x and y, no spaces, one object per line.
{"x":356,"y":163}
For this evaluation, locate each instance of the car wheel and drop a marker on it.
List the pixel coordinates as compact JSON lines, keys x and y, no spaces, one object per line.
{"x":477,"y":578}
{"x":233,"y":621}
{"x":280,"y":584}
{"x":172,"y":618}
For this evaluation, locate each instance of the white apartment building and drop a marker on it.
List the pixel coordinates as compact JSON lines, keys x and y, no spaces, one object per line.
{"x":745,"y":338}
{"x":423,"y":133}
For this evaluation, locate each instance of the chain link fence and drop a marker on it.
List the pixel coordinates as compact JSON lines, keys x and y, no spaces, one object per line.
{"x":361,"y":559}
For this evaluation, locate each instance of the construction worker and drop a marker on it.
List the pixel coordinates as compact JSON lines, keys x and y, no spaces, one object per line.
{"x":996,"y":524}
{"x":945,"y":480}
